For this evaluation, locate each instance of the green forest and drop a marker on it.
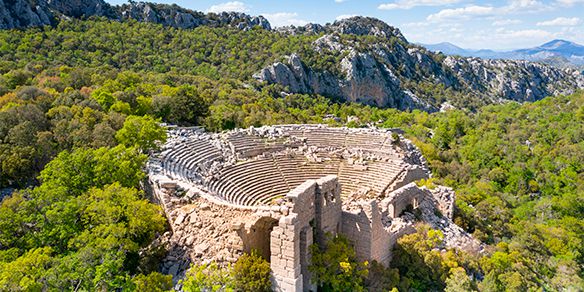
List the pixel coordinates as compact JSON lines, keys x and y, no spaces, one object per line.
{"x":81,"y":106}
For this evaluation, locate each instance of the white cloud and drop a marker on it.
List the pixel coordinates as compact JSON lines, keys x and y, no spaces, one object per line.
{"x":345,"y":16}
{"x":505,"y":22}
{"x":524,"y":6}
{"x":462,"y":13}
{"x":416,"y":24}
{"x":405,"y":4}
{"x":512,"y":7}
{"x":525,"y":33}
{"x":284,"y":19}
{"x":499,"y":38}
{"x":234,"y":6}
{"x":340,"y":1}
{"x":561,"y":21}
{"x":569,"y":3}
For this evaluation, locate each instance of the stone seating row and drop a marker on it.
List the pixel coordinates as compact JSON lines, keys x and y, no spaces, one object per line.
{"x":186,"y":159}
{"x":262,"y":180}
{"x":378,"y":176}
{"x":250,"y":182}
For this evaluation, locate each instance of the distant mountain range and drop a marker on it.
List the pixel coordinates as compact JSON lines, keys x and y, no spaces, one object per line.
{"x":560,"y":53}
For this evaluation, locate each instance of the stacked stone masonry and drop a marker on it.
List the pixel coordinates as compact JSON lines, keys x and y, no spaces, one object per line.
{"x":280,"y":189}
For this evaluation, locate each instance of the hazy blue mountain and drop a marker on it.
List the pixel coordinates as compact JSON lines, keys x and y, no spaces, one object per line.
{"x":447,"y":49}
{"x":557,"y":52}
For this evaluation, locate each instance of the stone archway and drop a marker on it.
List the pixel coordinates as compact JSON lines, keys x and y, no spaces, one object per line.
{"x":259,"y":235}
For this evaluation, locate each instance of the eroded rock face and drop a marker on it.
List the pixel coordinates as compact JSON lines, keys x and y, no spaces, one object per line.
{"x":357,"y":25}
{"x":78,"y":8}
{"x":19,"y":13}
{"x":175,"y":16}
{"x":514,"y":80}
{"x":393,"y":73}
{"x":365,"y":81}
{"x":360,"y":25}
{"x":167,"y":15}
{"x":23,"y":13}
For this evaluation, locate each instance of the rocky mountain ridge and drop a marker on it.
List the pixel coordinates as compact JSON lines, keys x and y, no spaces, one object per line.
{"x":359,"y":59}
{"x":27,"y":13}
{"x":390,"y":72}
{"x":560,"y":53}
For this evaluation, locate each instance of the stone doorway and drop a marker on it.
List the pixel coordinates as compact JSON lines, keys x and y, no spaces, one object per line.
{"x":259,"y":236}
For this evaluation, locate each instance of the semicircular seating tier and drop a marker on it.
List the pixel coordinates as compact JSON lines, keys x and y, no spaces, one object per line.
{"x":256,"y":166}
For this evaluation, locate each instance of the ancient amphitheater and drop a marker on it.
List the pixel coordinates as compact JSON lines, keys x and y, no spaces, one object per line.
{"x":279,"y":189}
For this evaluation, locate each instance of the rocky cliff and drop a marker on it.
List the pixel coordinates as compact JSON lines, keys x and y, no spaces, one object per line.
{"x":176,"y":16}
{"x":388,"y":71}
{"x":29,"y":13}
{"x":359,"y":59}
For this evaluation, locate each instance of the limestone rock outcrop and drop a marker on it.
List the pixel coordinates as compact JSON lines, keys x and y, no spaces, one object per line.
{"x":27,"y":13}
{"x":390,"y":72}
{"x":79,"y":8}
{"x":366,"y":81}
{"x":176,"y":16}
{"x":359,"y":25}
{"x":19,"y":13}
{"x":514,"y":80}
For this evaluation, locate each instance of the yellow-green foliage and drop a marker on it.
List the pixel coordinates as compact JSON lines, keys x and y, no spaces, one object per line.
{"x":335,"y":267}
{"x":249,"y":273}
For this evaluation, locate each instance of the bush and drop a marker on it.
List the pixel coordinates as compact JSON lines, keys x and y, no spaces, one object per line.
{"x":153,"y":282}
{"x":208,"y":277}
{"x":251,"y":272}
{"x":335,"y":267}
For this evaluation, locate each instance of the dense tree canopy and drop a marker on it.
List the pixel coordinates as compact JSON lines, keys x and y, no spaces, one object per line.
{"x":81,"y":104}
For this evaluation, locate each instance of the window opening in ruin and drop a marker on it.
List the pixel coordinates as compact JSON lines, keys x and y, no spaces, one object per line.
{"x":331,"y":197}
{"x":409,"y":209}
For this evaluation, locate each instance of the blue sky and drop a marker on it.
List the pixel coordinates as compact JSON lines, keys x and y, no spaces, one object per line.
{"x":498,"y":25}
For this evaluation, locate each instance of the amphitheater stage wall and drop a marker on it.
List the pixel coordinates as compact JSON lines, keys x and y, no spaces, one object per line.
{"x":317,"y":212}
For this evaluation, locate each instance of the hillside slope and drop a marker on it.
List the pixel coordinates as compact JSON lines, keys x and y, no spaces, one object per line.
{"x":358,"y":59}
{"x":375,"y":64}
{"x":27,"y":13}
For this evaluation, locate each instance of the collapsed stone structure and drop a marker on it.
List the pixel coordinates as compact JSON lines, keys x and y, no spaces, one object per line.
{"x":280,"y":189}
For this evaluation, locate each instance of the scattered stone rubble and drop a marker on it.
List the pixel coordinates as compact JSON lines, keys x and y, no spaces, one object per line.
{"x":279,"y":189}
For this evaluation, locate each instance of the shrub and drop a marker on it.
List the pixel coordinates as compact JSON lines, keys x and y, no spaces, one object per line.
{"x":335,"y":267}
{"x":251,"y":272}
{"x":207,"y":277}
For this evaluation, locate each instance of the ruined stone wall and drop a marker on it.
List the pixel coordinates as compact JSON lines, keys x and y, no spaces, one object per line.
{"x":328,"y":208}
{"x":381,"y":243}
{"x":313,"y":203}
{"x":411,"y":174}
{"x":287,"y":259}
{"x":444,"y":197}
{"x":398,"y":201}
{"x":356,"y":227}
{"x":371,"y":235}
